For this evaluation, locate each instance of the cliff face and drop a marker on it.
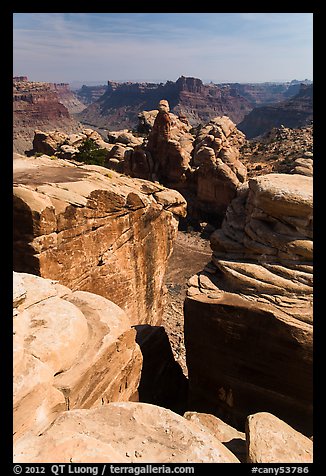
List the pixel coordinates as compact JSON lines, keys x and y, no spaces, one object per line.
{"x":38,"y":106}
{"x":96,"y":231}
{"x":119,"y":107}
{"x":251,"y":349}
{"x":262,"y":94}
{"x":89,"y":94}
{"x":67,"y":97}
{"x":295,"y":112}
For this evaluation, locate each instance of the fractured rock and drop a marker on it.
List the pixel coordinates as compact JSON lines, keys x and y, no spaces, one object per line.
{"x":123,"y":433}
{"x":95,"y":230}
{"x":71,"y":350}
{"x":219,"y":170}
{"x":271,"y":440}
{"x":233,"y":439}
{"x":256,"y":309}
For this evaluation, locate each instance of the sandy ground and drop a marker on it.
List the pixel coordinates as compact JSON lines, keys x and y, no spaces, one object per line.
{"x":191,"y":253}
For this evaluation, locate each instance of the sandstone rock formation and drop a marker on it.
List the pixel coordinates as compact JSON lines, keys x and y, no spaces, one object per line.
{"x":218,"y":168}
{"x":38,"y":106}
{"x":122,"y":433}
{"x":255,"y":307}
{"x":67,"y":146}
{"x":165,"y":155}
{"x":206,"y":169}
{"x":67,"y":97}
{"x":120,"y":105}
{"x":95,"y":230}
{"x":281,"y":150}
{"x":71,"y":350}
{"x":54,"y":142}
{"x":233,"y":439}
{"x":270,"y":440}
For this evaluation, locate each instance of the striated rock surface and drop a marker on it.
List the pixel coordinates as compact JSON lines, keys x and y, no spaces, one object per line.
{"x":38,"y":106}
{"x":270,"y":440}
{"x":71,"y":350}
{"x":68,"y":98}
{"x":120,"y":105}
{"x":255,"y":307}
{"x":123,"y":433}
{"x":95,"y":230}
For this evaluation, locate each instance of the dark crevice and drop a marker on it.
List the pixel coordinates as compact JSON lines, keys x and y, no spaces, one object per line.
{"x":162,"y":380}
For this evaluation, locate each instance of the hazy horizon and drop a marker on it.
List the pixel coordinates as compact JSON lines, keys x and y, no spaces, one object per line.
{"x":227,"y":47}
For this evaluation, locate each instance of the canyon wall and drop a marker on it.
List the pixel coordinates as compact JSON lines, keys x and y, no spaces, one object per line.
{"x":95,"y":230}
{"x":38,"y":106}
{"x":248,"y":316}
{"x":119,"y":107}
{"x":294,"y":112}
{"x":89,"y":94}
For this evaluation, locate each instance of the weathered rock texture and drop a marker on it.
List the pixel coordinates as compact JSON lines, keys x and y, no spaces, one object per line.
{"x":233,"y":439}
{"x":166,"y":153}
{"x":56,"y":142}
{"x":96,"y":231}
{"x":119,"y":106}
{"x":38,"y":106}
{"x":282,"y":150}
{"x":123,"y":433}
{"x":71,"y":350}
{"x":248,"y":318}
{"x":67,"y":97}
{"x":206,"y":169}
{"x":216,"y":159}
{"x":270,"y":440}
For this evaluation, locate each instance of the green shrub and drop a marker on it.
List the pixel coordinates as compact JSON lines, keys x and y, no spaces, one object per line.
{"x":91,"y":153}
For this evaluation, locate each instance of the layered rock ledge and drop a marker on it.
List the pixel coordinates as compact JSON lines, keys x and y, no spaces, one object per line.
{"x":248,"y":315}
{"x":95,"y":230}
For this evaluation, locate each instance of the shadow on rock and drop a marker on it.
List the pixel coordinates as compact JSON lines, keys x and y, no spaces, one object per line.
{"x":162,"y":381}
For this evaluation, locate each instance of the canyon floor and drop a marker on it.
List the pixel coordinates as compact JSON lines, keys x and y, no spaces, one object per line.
{"x":190,"y":255}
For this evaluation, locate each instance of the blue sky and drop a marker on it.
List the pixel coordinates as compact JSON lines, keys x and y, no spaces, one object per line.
{"x":222,"y":47}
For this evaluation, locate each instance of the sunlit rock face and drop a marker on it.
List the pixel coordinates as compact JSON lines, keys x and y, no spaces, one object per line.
{"x":248,"y":317}
{"x":95,"y":230}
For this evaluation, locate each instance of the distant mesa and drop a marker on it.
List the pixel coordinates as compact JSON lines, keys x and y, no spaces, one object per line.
{"x":118,"y":105}
{"x":39,"y":105}
{"x":20,"y":78}
{"x":294,"y":112}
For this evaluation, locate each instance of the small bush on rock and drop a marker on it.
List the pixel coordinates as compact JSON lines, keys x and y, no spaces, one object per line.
{"x":91,"y":154}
